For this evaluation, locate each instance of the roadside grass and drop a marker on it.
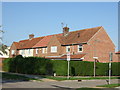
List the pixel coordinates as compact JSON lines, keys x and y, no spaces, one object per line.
{"x":110,"y":85}
{"x":7,"y":76}
{"x":58,"y":78}
{"x":88,"y":89}
{"x":79,"y":78}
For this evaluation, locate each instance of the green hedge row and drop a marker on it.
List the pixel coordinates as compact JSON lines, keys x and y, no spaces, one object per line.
{"x":42,"y":66}
{"x":28,"y":65}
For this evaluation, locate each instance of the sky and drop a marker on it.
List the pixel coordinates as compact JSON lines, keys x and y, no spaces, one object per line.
{"x":19,"y":19}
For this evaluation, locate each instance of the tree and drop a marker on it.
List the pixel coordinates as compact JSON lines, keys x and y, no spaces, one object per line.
{"x":3,"y":49}
{"x":2,"y":46}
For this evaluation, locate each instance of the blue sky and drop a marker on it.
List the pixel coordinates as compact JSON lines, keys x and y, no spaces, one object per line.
{"x":42,"y":18}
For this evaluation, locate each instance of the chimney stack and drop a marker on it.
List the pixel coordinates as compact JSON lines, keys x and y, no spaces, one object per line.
{"x":65,"y":31}
{"x":31,"y":36}
{"x":78,"y":34}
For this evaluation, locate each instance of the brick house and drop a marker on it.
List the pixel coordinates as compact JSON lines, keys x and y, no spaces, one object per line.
{"x":81,"y":44}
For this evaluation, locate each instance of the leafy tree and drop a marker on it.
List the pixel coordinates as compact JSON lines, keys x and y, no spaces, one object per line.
{"x":3,"y":49}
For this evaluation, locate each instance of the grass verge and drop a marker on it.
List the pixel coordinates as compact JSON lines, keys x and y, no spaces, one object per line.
{"x":88,"y":89}
{"x":79,"y":78}
{"x":7,"y":76}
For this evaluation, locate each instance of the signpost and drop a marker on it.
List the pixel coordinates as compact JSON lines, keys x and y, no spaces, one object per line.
{"x":68,"y":59}
{"x":95,"y":65}
{"x":111,"y":54}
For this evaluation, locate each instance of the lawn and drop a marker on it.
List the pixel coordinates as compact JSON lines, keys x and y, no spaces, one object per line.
{"x":88,"y":89}
{"x":110,"y":85}
{"x":79,"y":78}
{"x":7,"y":76}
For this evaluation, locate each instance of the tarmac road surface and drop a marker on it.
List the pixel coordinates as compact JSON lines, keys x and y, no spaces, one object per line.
{"x":67,"y":84}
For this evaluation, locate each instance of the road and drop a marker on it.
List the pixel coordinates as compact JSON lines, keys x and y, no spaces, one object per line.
{"x":55,"y":84}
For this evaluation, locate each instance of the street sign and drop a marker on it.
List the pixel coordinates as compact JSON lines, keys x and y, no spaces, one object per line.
{"x":111,"y":55}
{"x":68,"y":56}
{"x":95,"y":57}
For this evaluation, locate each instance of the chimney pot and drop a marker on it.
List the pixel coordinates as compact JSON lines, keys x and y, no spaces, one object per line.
{"x":31,"y":36}
{"x":65,"y":31}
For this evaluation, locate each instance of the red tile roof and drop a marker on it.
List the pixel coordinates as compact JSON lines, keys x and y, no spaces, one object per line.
{"x":71,"y":38}
{"x":75,"y":56}
{"x":84,"y":36}
{"x":43,"y":42}
{"x":16,"y":44}
{"x":29,"y":43}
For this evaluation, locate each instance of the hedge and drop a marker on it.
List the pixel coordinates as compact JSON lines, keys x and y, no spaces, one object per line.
{"x":42,"y":66}
{"x":28,"y":65}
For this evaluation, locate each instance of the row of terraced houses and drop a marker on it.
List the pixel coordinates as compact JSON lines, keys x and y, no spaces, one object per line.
{"x":81,"y":44}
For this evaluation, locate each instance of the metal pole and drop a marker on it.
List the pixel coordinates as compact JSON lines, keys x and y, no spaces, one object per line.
{"x":109,"y":71}
{"x":94,"y":59}
{"x":68,"y":70}
{"x":110,"y":66}
{"x":94,"y":67}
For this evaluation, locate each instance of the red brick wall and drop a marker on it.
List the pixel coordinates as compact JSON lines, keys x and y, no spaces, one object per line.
{"x":116,"y":57}
{"x":54,"y":42}
{"x":40,"y":54}
{"x":100,"y":48}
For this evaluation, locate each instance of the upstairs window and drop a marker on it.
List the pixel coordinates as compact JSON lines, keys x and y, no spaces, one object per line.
{"x":67,"y":48}
{"x":54,"y":49}
{"x":80,"y":48}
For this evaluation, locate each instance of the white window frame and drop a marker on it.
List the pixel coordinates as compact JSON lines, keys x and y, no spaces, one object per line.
{"x":23,"y":52}
{"x":44,"y":50}
{"x":53,"y":49}
{"x":13,"y":52}
{"x":79,"y":47}
{"x":36,"y":50}
{"x":29,"y":51}
{"x":67,"y":47}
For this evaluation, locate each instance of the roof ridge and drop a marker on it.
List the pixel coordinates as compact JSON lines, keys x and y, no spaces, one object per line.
{"x":87,"y":29}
